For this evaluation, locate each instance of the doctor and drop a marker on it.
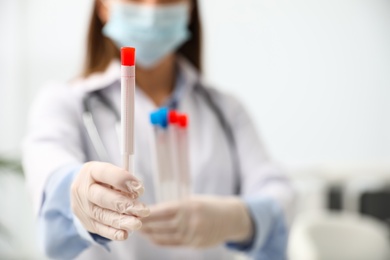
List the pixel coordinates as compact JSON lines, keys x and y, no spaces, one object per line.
{"x":88,"y":209}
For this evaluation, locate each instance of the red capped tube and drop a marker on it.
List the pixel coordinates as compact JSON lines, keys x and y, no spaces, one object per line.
{"x":127,"y":107}
{"x":128,"y":56}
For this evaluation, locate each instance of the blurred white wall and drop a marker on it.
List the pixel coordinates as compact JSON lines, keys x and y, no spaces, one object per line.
{"x":10,"y":86}
{"x":41,"y":40}
{"x":314,"y":74}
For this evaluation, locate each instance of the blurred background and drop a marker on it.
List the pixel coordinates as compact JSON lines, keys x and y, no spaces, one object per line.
{"x":315,"y":76}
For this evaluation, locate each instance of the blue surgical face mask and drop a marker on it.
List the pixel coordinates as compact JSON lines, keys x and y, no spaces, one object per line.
{"x":155,"y":31}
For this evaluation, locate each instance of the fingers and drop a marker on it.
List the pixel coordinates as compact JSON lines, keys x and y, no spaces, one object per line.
{"x":170,"y":233}
{"x":166,"y":239}
{"x":103,"y":199}
{"x":168,"y":230}
{"x":115,"y":201}
{"x":164,"y":233}
{"x":114,"y":219}
{"x":161,"y":227}
{"x":110,"y":232}
{"x":114,"y":176}
{"x":164,"y":211}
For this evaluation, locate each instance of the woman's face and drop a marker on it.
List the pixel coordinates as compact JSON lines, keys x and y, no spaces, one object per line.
{"x":104,"y":6}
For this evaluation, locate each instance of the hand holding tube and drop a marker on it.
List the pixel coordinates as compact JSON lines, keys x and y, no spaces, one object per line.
{"x":199,"y":222}
{"x":104,"y":199}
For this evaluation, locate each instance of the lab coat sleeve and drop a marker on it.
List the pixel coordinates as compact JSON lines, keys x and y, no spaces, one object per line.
{"x":54,"y":139}
{"x":265,"y":190}
{"x":56,"y":217}
{"x":270,"y":233}
{"x":52,"y":155}
{"x":59,"y":237}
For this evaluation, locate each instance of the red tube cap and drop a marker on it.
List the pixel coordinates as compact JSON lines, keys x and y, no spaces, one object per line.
{"x":183,"y":121}
{"x":173,"y":117}
{"x":128,"y":56}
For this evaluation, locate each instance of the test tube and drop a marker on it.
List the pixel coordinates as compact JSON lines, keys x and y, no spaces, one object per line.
{"x":127,"y":108}
{"x":174,"y":153}
{"x":178,"y":126}
{"x":183,"y":157}
{"x":164,"y":178}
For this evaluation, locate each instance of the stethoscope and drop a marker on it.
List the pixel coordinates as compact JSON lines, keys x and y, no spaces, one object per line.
{"x":201,"y":90}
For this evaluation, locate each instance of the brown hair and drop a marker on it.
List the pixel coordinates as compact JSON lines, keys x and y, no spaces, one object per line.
{"x":101,"y":50}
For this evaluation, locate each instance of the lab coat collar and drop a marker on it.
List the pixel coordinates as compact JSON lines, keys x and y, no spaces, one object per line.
{"x":188,"y":72}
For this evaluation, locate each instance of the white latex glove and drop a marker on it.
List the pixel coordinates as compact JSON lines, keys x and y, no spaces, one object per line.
{"x":103,"y":197}
{"x":198,"y":222}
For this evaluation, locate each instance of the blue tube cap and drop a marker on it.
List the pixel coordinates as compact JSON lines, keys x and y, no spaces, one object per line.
{"x":160,"y":117}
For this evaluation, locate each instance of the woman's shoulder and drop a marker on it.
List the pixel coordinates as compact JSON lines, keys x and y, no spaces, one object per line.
{"x":227,"y":101}
{"x":54,"y":92}
{"x":56,"y":99}
{"x":74,"y":90}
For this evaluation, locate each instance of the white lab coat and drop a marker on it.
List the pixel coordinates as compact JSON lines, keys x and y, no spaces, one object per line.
{"x":57,"y":138}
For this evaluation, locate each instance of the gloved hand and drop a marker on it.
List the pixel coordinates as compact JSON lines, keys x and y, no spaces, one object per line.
{"x":199,"y":222}
{"x":104,"y":199}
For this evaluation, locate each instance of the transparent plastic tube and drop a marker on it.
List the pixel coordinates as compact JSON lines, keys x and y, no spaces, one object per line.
{"x":173,"y":154}
{"x":179,"y":142}
{"x":165,"y":179}
{"x":183,"y":158}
